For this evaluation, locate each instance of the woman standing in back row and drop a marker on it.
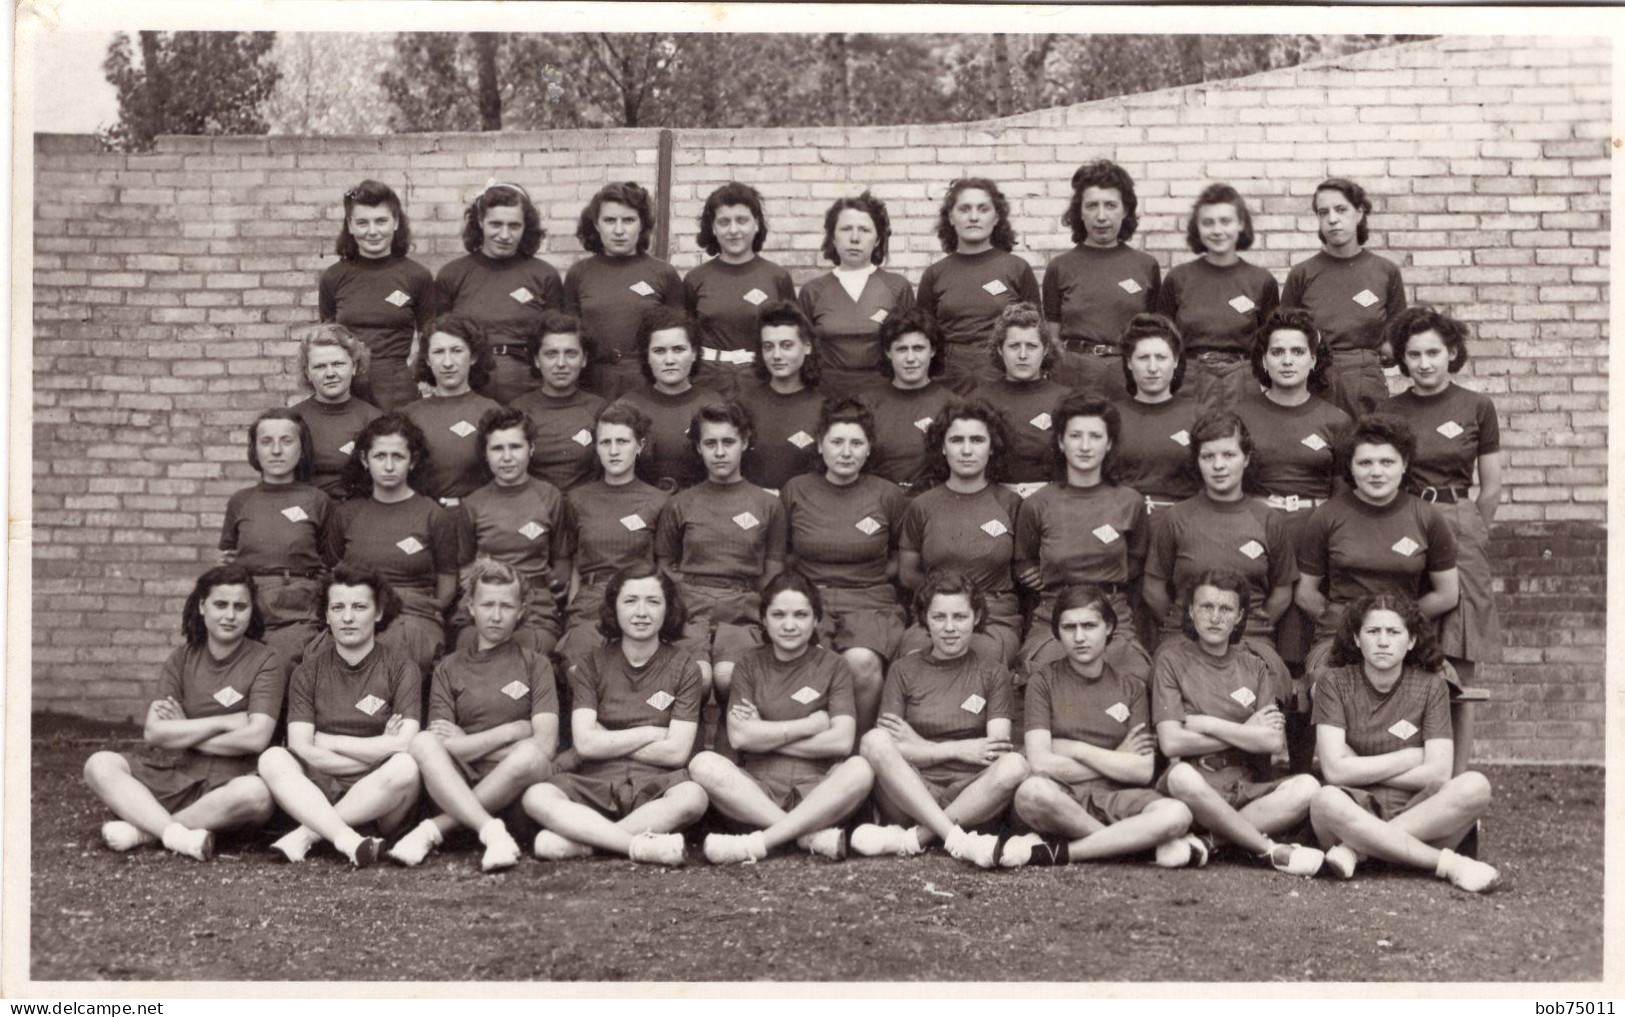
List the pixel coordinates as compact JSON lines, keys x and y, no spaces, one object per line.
{"x":848,"y":305}
{"x":723,"y":295}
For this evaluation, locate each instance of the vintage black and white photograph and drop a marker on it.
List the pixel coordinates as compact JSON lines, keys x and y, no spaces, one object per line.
{"x":823,"y":494}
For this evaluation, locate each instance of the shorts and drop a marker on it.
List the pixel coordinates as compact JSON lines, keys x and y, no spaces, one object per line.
{"x":178,"y":777}
{"x":866,"y":618}
{"x":388,"y":384}
{"x":617,"y":787}
{"x":1107,"y":801}
{"x":968,"y":366}
{"x":289,"y":642}
{"x":1219,"y":384}
{"x":722,"y":621}
{"x":1102,"y":375}
{"x":787,"y":781}
{"x":944,"y":784}
{"x":511,"y":377}
{"x":475,"y":770}
{"x":999,"y":638}
{"x":1356,"y":382}
{"x":1388,"y":802}
{"x":1235,"y":784}
{"x":1471,"y":630}
{"x":1294,"y":631}
{"x":336,"y":786}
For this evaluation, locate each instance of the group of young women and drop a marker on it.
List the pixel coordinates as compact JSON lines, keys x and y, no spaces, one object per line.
{"x":973,"y":552}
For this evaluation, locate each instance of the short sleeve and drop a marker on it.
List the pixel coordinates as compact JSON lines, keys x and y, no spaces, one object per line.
{"x":1489,"y":427}
{"x":673,"y":289}
{"x":1167,"y":302}
{"x":745,"y":679}
{"x":1441,"y":542}
{"x":171,"y":682}
{"x":1292,"y":295}
{"x":669,"y":533}
{"x":451,"y":538}
{"x":552,"y":289}
{"x":927,"y":294}
{"x":425,"y":299}
{"x":1328,"y":696}
{"x":446,"y":285}
{"x":584,"y":682}
{"x":333,"y":536}
{"x":1161,"y":547}
{"x":1052,"y":293}
{"x":1027,"y":282}
{"x":302,"y":694}
{"x":1037,"y":702}
{"x":777,"y":530}
{"x":896,"y":505}
{"x":892,"y":696}
{"x":1396,"y":291}
{"x":785,"y":285}
{"x":1139,"y":704}
{"x":1270,"y":296}
{"x":1000,"y":700}
{"x":911,"y":535}
{"x":691,"y":290}
{"x":1313,"y":549}
{"x":1436,"y":715}
{"x":1139,"y":536}
{"x":841,"y":702}
{"x":228,"y":525}
{"x":544,"y":692}
{"x":442,"y":702}
{"x":1029,"y":532}
{"x":905,"y":297}
{"x":406,"y":690}
{"x":562,"y":543}
{"x":327,"y":298}
{"x":268,"y":686}
{"x":572,"y":290}
{"x":1283,"y":557}
{"x":689,"y":685}
{"x":1167,"y":702}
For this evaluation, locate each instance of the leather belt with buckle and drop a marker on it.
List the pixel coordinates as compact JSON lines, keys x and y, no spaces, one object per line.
{"x":1292,"y":502}
{"x":1091,"y":348}
{"x":727,"y":356}
{"x":517,"y":350}
{"x":1446,"y":495}
{"x":1220,"y":356}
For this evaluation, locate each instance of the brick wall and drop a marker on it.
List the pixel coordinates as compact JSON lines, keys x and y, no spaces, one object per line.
{"x":166,"y":286}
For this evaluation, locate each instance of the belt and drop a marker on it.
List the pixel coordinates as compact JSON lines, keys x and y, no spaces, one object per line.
{"x":449,"y":502}
{"x":288,"y":573}
{"x":719,"y":582}
{"x":1292,"y":502}
{"x":518,"y":350}
{"x":711,"y":353}
{"x":1027,"y":489}
{"x":1219,"y":356}
{"x":1103,"y":587}
{"x":1093,"y":348}
{"x":1447,"y":495}
{"x":1152,"y":504}
{"x":1213,"y":762}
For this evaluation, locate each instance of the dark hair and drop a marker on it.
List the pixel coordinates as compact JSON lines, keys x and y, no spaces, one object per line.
{"x":1356,"y":196}
{"x":372,"y":193}
{"x":626,"y":193}
{"x":498,"y":195}
{"x":501,"y":418}
{"x":384,"y":596}
{"x":1081,"y":595}
{"x":481,"y":361}
{"x":908,"y":322}
{"x":1220,"y":194}
{"x":491,"y":572}
{"x":946,"y":582}
{"x":1022,"y":314}
{"x":660,"y":318}
{"x":871,"y":206}
{"x":561,"y":323}
{"x":1413,"y":321}
{"x":731,"y":413}
{"x":788,"y":312}
{"x":1378,"y":429}
{"x":1215,"y":425}
{"x":846,"y":410}
{"x":1220,"y":579}
{"x":1293,"y":319}
{"x":626,"y":415}
{"x":192,"y":627}
{"x":306,"y":465}
{"x":792,"y":581}
{"x":671,"y":627}
{"x":731,"y":193}
{"x":1105,"y":174}
{"x":934,"y":467}
{"x":356,"y":478}
{"x":1004,"y":234}
{"x":1425,"y":655}
{"x":1086,"y":403}
{"x":1152,"y":326}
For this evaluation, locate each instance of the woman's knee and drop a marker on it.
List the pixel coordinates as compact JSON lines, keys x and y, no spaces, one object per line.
{"x":426,"y":745}
{"x":1329,"y":804}
{"x":1473,"y":791}
{"x":539,"y":798}
{"x":1034,"y":797}
{"x":277,"y":761}
{"x":690,"y":799}
{"x":400,"y":772}
{"x":1175,"y":816}
{"x":102,"y":765}
{"x":868,"y":672}
{"x":530,"y":760}
{"x":1010,"y":770}
{"x":1303,"y":788}
{"x":877,"y":747}
{"x":709,"y":769}
{"x":1185,"y":783}
{"x":252,"y":798}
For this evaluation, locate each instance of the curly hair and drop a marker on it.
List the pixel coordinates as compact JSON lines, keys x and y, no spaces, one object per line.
{"x":1107,"y":175}
{"x":488,"y":571}
{"x":788,"y":313}
{"x":792,"y":580}
{"x":671,"y":626}
{"x":358,"y":481}
{"x":1413,"y":321}
{"x":1356,"y":196}
{"x":627,"y":193}
{"x":662,"y":318}
{"x":1021,"y":314}
{"x":1086,"y":403}
{"x":1425,"y":654}
{"x":481,"y":361}
{"x":503,"y":418}
{"x":869,"y":205}
{"x":946,"y":582}
{"x":192,"y":628}
{"x":1216,"y":425}
{"x":846,"y":410}
{"x":384,"y":596}
{"x":562,"y":323}
{"x":1378,"y":429}
{"x":1004,"y":234}
{"x":1219,"y":194}
{"x":1081,"y":595}
{"x":1292,"y":319}
{"x":625,"y":415}
{"x":497,"y":195}
{"x":731,"y":193}
{"x":731,"y":413}
{"x":935,"y":470}
{"x":332,"y":334}
{"x":1152,"y":326}
{"x":1227,"y":580}
{"x":908,"y":322}
{"x":373,"y":194}
{"x":306,"y":466}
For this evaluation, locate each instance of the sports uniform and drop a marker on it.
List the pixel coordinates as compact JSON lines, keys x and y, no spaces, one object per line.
{"x":527,"y":527}
{"x":384,"y":302}
{"x":1217,"y":309}
{"x":724,"y":300}
{"x":786,"y":442}
{"x":333,"y":427}
{"x":842,"y":538}
{"x":848,"y":327}
{"x":1186,"y":680}
{"x":1153,"y":449}
{"x":1097,"y":711}
{"x":974,"y":534}
{"x":1351,"y":299}
{"x":450,"y":425}
{"x":354,"y":700}
{"x":480,"y":690}
{"x":964,"y":294}
{"x":563,"y":453}
{"x":1026,"y":407}
{"x":669,"y":461}
{"x":791,"y":690}
{"x":902,"y":417}
{"x":1092,"y":292}
{"x":276,"y":532}
{"x":614,"y":526}
{"x":609,"y":295}
{"x":1374,"y":723}
{"x":508,"y":296}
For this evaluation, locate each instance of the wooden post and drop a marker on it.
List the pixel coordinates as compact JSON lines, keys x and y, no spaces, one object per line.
{"x":662,"y":237}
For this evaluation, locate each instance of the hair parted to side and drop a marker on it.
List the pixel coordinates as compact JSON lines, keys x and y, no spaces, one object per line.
{"x":1081,"y":595}
{"x":1086,"y":403}
{"x":384,"y":596}
{"x":792,"y":580}
{"x":671,"y":626}
{"x":1378,"y":429}
{"x":1292,"y":319}
{"x":1022,"y":314}
{"x":846,"y":410}
{"x":485,"y":570}
{"x":934,"y":467}
{"x":481,"y":361}
{"x":788,"y":314}
{"x":731,"y":193}
{"x":306,"y":466}
{"x":373,"y":194}
{"x":946,"y":582}
{"x":192,"y":628}
{"x":1107,"y":175}
{"x":502,"y":418}
{"x":1004,"y":234}
{"x":1413,"y":321}
{"x":1220,"y":194}
{"x":1216,"y":425}
{"x":628,"y":193}
{"x":498,"y":195}
{"x":730,"y":413}
{"x":332,"y":334}
{"x":913,"y":320}
{"x":1152,"y":326}
{"x":661,"y":318}
{"x":1228,"y":580}
{"x":1356,"y":196}
{"x":1425,"y":655}
{"x":355,"y":476}
{"x":869,"y":205}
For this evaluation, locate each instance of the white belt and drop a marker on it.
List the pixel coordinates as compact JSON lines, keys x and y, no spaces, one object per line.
{"x":1291,"y":502}
{"x":449,"y":502}
{"x":727,"y":356}
{"x":1029,"y":489}
{"x":1152,"y":504}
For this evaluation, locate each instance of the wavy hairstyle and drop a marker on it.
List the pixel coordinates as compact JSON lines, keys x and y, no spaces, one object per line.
{"x":554,"y":322}
{"x":306,"y":465}
{"x":1219,"y":194}
{"x":384,"y":596}
{"x":488,"y":571}
{"x":499,"y":195}
{"x":934,"y":469}
{"x":783,"y":313}
{"x":662,"y":318}
{"x":1004,"y":234}
{"x":1105,"y":174}
{"x":628,"y":193}
{"x":1425,"y":655}
{"x":671,"y":626}
{"x":731,"y":413}
{"x":1378,"y":429}
{"x":192,"y":627}
{"x":1413,"y":321}
{"x":481,"y":361}
{"x":946,"y":582}
{"x":792,"y":580}
{"x":1227,"y":580}
{"x":910,"y":321}
{"x":373,"y":194}
{"x":1215,"y":425}
{"x":355,"y":476}
{"x":1292,"y":319}
{"x":1086,"y":403}
{"x":846,"y":410}
{"x":332,"y":334}
{"x":869,"y":205}
{"x":503,"y":418}
{"x":1082,"y":595}
{"x":1152,"y":326}
{"x":1022,"y":314}
{"x":731,"y":193}
{"x":1356,"y":196}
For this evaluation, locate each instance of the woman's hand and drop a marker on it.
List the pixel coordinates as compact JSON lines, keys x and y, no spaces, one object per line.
{"x":393,"y":728}
{"x":1270,"y":718}
{"x":1139,"y":742}
{"x":168,"y":709}
{"x":227,"y":557}
{"x":899,"y":729}
{"x":983,"y":751}
{"x":744,"y":709}
{"x":1031,"y":578}
{"x":442,"y":729}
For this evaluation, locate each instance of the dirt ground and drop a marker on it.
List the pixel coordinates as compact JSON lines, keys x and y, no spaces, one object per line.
{"x":152,"y":915}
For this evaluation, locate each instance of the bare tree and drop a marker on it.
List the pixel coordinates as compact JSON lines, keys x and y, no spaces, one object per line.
{"x":490,"y":96}
{"x":838,"y":77}
{"x":1003,"y":101}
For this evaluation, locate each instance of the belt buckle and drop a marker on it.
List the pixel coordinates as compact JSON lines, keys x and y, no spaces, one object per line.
{"x":737,"y":356}
{"x":1291,"y":503}
{"x":708,"y":354}
{"x":1429,"y":494}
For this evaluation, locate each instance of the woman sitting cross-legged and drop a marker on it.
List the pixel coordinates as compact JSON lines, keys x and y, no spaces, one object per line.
{"x":493,"y":722}
{"x":636,"y":710}
{"x":941,"y":750}
{"x":792,"y":722}
{"x":1382,"y":717}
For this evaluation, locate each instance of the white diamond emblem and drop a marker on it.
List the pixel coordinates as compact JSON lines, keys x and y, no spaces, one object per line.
{"x":634,"y":522}
{"x":994,"y":528}
{"x":1252,"y":549}
{"x":228,"y":696}
{"x":801,"y":439}
{"x":746,"y":521}
{"x":868,"y":525}
{"x":1315,"y":442}
{"x":662,"y":699}
{"x":1403,"y":730}
{"x":1450,"y":429}
{"x":398,"y":298}
{"x":1181,"y":438}
{"x":532,"y":530}
{"x":1042,"y":421}
{"x":1244,"y":696}
{"x":1105,"y":534}
{"x":515,"y":690}
{"x":1130,"y":286}
{"x":1242,"y":304}
{"x":1118,"y":712}
{"x":879,"y":316}
{"x":294,"y":514}
{"x":995,"y":287}
{"x":974,"y":704}
{"x":523,"y":295}
{"x":411,"y":545}
{"x":370,"y":705}
{"x":347,"y":447}
{"x":642,"y":289}
{"x":1406,"y":547}
{"x":582,"y":437}
{"x":805,"y":695}
{"x":923,"y":423}
{"x":463,"y":429}
{"x":1365,"y":298}
{"x":755,"y":298}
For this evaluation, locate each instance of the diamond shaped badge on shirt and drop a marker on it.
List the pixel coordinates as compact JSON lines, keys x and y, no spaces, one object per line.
{"x":661,"y":700}
{"x":1365,"y":298}
{"x":515,"y":690}
{"x":1105,"y":533}
{"x":1315,"y":442}
{"x":532,"y":530}
{"x":923,"y":423}
{"x":642,"y":289}
{"x":879,"y":316}
{"x":1252,"y":549}
{"x":1042,"y":421}
{"x":974,"y":704}
{"x":294,"y":514}
{"x":1403,"y":730}
{"x":582,"y":437}
{"x":1242,"y":304}
{"x":228,"y":696}
{"x":411,"y":545}
{"x":463,"y":429}
{"x":1180,"y":438}
{"x":370,"y":705}
{"x":1406,"y":547}
{"x":1118,"y":712}
{"x":868,"y":525}
{"x":347,"y":447}
{"x":755,"y":297}
{"x":1130,"y":286}
{"x":523,"y":295}
{"x":805,"y":695}
{"x":746,"y":521}
{"x":634,"y":522}
{"x":994,"y":528}
{"x":994,"y":287}
{"x":1244,"y":696}
{"x":801,"y":439}
{"x":1450,"y":429}
{"x":398,"y":298}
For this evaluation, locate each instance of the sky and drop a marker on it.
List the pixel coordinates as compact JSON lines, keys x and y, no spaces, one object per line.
{"x":71,"y":95}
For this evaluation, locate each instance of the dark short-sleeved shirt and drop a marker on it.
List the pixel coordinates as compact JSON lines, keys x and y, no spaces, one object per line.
{"x":902,"y":417}
{"x":614,"y":526}
{"x":668,"y":459}
{"x":563,"y":454}
{"x":843,"y":536}
{"x":1246,"y":537}
{"x":947,"y":700}
{"x":1027,"y":408}
{"x":611,"y":294}
{"x":726,"y":299}
{"x":664,"y":689}
{"x":276,"y":526}
{"x":1218,"y":308}
{"x":965,"y":293}
{"x":1094,"y":291}
{"x":523,"y":525}
{"x":1153,"y":450}
{"x":250,"y":680}
{"x":1414,"y":710}
{"x":383,"y":301}
{"x":722,"y":531}
{"x":791,"y":690}
{"x":973,"y":533}
{"x":508,"y":296}
{"x":355,"y":700}
{"x":450,"y":425}
{"x":1083,"y":534}
{"x":1351,"y":299}
{"x":1368,"y":549}
{"x":1293,"y":446}
{"x":849,"y":330}
{"x":409,"y":542}
{"x":1099,"y":712}
{"x":786,"y":442}
{"x":478,"y":690}
{"x":1188,"y":681}
{"x":333,"y":430}
{"x":1452,"y":430}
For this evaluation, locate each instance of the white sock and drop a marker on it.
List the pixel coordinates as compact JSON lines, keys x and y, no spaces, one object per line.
{"x":347,"y":843}
{"x":197,"y":844}
{"x":416,"y":845}
{"x":296,"y":843}
{"x":122,"y":836}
